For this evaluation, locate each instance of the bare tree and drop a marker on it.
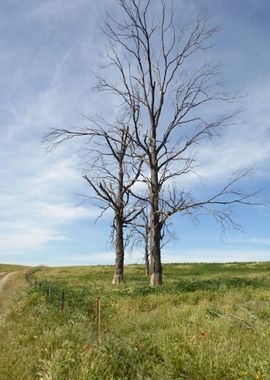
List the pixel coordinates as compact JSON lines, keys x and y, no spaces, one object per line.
{"x":140,"y":231}
{"x":157,"y":78}
{"x":139,"y":235}
{"x":111,"y":171}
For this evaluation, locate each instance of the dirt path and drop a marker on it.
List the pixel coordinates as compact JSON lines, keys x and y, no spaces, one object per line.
{"x":4,"y":279}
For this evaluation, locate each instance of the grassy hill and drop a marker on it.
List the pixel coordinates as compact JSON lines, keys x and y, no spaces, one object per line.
{"x":208,"y":321}
{"x":12,"y":267}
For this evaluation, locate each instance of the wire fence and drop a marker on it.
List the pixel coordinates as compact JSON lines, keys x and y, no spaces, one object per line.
{"x":66,"y":298}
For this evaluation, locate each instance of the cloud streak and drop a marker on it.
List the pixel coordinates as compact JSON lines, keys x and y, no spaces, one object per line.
{"x":51,"y":51}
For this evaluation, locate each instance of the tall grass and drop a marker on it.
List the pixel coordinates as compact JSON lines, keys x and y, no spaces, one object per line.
{"x":14,"y":282}
{"x":209,"y":321}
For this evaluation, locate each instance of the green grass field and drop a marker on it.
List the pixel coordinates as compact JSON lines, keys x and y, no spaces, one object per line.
{"x":208,"y":321}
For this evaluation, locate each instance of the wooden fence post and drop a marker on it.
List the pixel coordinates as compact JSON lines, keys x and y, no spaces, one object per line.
{"x":98,"y":320}
{"x":63,"y":300}
{"x":49,"y":292}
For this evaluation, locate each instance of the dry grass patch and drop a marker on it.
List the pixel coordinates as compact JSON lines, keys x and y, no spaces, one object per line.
{"x":14,"y":281}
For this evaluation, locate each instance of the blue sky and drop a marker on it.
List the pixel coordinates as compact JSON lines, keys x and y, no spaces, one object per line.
{"x":49,"y":52}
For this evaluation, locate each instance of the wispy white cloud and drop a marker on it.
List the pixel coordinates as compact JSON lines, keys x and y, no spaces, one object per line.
{"x":250,"y":241}
{"x":36,"y":207}
{"x":215,"y":255}
{"x":244,"y":145}
{"x":26,"y":236}
{"x":38,"y":192}
{"x":51,"y":48}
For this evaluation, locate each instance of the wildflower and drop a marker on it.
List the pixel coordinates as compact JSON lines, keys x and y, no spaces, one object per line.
{"x":202,"y":334}
{"x":86,"y":347}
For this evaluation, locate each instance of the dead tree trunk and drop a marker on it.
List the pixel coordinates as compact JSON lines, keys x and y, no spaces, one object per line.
{"x":119,"y":252}
{"x":155,"y":252}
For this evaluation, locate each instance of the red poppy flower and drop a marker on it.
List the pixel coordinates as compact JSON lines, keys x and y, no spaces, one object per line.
{"x":202,"y":334}
{"x":86,"y":348}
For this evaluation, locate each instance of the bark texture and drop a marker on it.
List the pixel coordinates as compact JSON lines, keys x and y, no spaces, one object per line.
{"x":155,"y":251}
{"x":118,"y":277}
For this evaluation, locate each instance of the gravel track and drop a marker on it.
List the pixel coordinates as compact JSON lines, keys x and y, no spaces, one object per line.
{"x":4,"y":279}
